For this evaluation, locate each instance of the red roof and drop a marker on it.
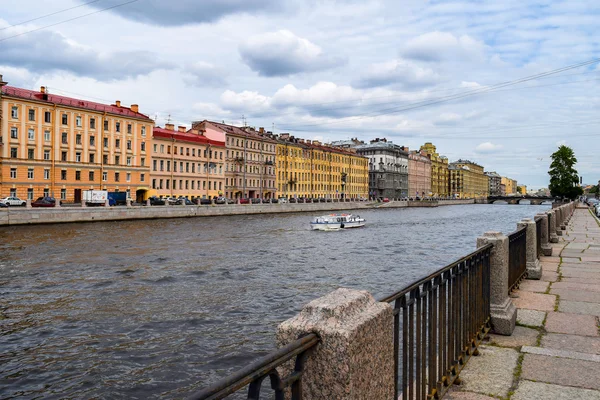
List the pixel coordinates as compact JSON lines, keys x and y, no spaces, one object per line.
{"x":188,"y":136}
{"x":234,"y":130}
{"x":68,"y":101}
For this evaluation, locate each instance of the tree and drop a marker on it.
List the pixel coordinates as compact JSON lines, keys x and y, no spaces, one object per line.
{"x":564,"y":178}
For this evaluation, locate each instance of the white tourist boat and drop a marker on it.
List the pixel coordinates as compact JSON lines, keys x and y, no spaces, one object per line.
{"x":334,"y":222}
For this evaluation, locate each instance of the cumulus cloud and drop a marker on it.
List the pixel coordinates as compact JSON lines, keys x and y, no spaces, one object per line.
{"x":488,"y":147}
{"x":282,"y":53}
{"x":246,"y":101}
{"x":204,"y":74}
{"x":398,"y":73}
{"x":41,"y":52}
{"x":437,"y":46}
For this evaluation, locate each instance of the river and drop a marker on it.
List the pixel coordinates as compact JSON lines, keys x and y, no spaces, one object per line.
{"x":159,"y":308}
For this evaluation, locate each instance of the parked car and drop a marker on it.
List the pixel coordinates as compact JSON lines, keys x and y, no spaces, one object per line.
{"x":328,"y":199}
{"x":292,"y":200}
{"x":156,"y":201}
{"x":13,"y":201}
{"x":230,"y":201}
{"x":205,"y":201}
{"x":244,"y":200}
{"x":184,"y":201}
{"x":283,"y":200}
{"x":220,"y":200}
{"x":255,"y":200}
{"x":274,"y":200}
{"x":44,"y":202}
{"x":2,"y":205}
{"x":266,"y":201}
{"x":386,"y":200}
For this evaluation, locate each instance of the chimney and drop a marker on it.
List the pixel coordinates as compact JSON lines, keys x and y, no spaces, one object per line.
{"x":42,"y":89}
{"x":134,"y":108}
{"x":261,"y":130}
{"x":118,"y":103}
{"x":170,"y":127}
{"x":181,"y":129}
{"x":2,"y":83}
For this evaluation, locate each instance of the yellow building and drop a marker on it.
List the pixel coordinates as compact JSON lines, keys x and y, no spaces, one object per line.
{"x":186,"y":163}
{"x":311,"y":169}
{"x":439,"y":170}
{"x":510,"y":185}
{"x":467,"y":180}
{"x":59,"y":146}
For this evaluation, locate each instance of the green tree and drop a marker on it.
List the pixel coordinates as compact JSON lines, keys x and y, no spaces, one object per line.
{"x":564,"y":178}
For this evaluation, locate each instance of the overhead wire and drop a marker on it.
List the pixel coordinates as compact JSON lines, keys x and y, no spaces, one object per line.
{"x":49,"y":15}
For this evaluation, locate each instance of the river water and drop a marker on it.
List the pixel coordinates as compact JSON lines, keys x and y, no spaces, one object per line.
{"x":159,"y":308}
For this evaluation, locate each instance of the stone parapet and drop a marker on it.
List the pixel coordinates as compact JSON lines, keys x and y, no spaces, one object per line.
{"x":546,"y":247}
{"x":552,"y":228}
{"x":534,"y":268}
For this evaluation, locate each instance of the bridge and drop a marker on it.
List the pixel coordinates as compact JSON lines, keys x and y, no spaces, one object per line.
{"x":534,"y":200}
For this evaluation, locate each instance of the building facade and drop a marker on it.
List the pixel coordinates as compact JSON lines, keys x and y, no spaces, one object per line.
{"x":186,"y":163}
{"x":388,"y":169}
{"x":467,"y":180}
{"x":419,"y":175}
{"x":58,"y":146}
{"x":249,"y":160}
{"x":495,"y":181}
{"x":439,"y":170}
{"x":510,"y":186}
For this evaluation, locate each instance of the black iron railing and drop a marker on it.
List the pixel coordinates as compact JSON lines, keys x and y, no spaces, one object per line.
{"x":254,"y":374}
{"x":439,"y":322}
{"x":517,"y":258}
{"x":538,"y":235}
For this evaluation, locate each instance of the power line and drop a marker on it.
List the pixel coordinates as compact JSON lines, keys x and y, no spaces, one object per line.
{"x":67,"y":20}
{"x":51,"y":14}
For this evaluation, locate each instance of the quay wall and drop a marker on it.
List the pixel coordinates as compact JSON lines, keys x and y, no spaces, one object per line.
{"x":25,"y":216}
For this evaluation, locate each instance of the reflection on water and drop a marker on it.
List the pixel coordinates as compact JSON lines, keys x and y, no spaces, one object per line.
{"x":150,"y":309}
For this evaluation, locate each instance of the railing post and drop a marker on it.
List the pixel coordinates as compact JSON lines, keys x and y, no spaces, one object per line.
{"x":552,"y":226}
{"x":534,"y":269}
{"x":546,"y":248}
{"x":503,"y":312}
{"x":557,"y":221}
{"x":355,"y":358}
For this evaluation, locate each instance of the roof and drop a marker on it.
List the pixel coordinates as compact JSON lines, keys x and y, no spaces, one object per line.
{"x":188,"y":136}
{"x":71,"y":102}
{"x":234,"y":130}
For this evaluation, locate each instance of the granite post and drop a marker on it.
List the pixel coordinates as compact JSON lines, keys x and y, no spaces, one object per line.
{"x":129,"y":202}
{"x":546,"y":248}
{"x":563,"y":217}
{"x":148,"y":202}
{"x":106,"y":203}
{"x":28,"y":203}
{"x":503,"y":311}
{"x":557,"y":221}
{"x":355,"y":358}
{"x":534,"y":268}
{"x":552,"y":221}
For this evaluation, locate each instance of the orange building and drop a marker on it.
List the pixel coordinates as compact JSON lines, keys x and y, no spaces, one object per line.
{"x":58,"y":146}
{"x":186,"y":163}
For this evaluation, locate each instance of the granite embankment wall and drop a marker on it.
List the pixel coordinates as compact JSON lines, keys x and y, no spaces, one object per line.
{"x":24,"y":216}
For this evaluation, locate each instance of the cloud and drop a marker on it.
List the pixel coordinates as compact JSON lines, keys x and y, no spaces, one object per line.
{"x":282,"y":53}
{"x":186,"y":12}
{"x":488,"y":147}
{"x":246,"y":101}
{"x":204,"y":74}
{"x":437,"y":46}
{"x":41,"y":52}
{"x":448,"y":119}
{"x":398,"y":73}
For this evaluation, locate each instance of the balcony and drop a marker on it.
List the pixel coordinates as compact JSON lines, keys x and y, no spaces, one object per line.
{"x":268,"y":162}
{"x":238,"y":159}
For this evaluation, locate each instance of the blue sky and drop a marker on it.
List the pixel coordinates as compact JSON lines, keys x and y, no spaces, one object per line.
{"x":334,"y":70}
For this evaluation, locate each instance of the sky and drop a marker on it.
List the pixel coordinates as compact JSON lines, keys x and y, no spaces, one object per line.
{"x":410,"y":71}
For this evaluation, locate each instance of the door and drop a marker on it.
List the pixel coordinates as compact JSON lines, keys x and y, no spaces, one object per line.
{"x":77,"y":196}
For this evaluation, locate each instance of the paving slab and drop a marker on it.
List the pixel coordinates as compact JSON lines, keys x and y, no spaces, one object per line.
{"x":573,"y":355}
{"x":491,"y":373}
{"x":549,"y":266}
{"x":579,"y":307}
{"x":551,"y":258}
{"x":561,"y":371}
{"x":530,"y":317}
{"x":569,"y":284}
{"x":577,"y":295}
{"x":577,"y":273}
{"x":583,"y":344}
{"x":521,"y":336}
{"x":590,"y":258}
{"x":528,"y":390}
{"x":549,"y":276}
{"x":454,"y":394}
{"x":534,"y":301}
{"x":533,"y":286}
{"x":575,"y":324}
{"x":577,"y":246}
{"x":583,"y":267}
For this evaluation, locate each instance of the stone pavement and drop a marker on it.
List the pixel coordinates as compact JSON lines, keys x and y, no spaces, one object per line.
{"x":554,"y":352}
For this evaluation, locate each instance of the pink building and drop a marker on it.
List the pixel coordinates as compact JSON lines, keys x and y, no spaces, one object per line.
{"x":419,"y":175}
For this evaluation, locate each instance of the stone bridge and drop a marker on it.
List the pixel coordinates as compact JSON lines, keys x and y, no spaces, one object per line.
{"x":534,"y":200}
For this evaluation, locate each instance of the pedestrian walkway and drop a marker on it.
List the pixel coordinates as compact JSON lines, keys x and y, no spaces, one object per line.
{"x":554,"y":352}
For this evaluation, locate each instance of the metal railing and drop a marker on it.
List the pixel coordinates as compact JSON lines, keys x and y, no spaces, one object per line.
{"x":254,"y":374}
{"x":538,"y":235}
{"x":439,"y":322}
{"x":517,"y":258}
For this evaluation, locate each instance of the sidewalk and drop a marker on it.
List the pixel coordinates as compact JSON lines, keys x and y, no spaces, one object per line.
{"x":554,"y":352}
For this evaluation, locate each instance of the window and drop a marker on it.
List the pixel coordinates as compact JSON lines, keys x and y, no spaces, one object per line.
{"x":143,"y":162}
{"x":13,"y":173}
{"x":29,"y":173}
{"x":129,"y":145}
{"x":128,"y":177}
{"x":77,"y":157}
{"x":13,"y":192}
{"x":63,"y":156}
{"x":168,"y":165}
{"x":155,"y":147}
{"x":104,"y":176}
{"x":162,"y":148}
{"x":92,"y":123}
{"x":63,"y":194}
{"x":47,"y":117}
{"x":118,"y":127}
{"x":29,"y":194}
{"x":31,"y":114}
{"x":46,"y":192}
{"x":105,"y":159}
{"x":91,"y":175}
{"x":13,"y":152}
{"x":77,"y":175}
{"x":117,"y":160}
{"x":143,"y":131}
{"x":63,"y":174}
{"x":162,"y":165}
{"x":30,"y":154}
{"x":128,"y":160}
{"x":64,"y":138}
{"x":142,"y":177}
{"x":46,"y":136}
{"x":92,"y":158}
{"x":117,"y":176}
{"x":78,"y":121}
{"x":167,"y":183}
{"x":92,"y":140}
{"x":78,"y":139}
{"x":14,"y":112}
{"x":46,"y":154}
{"x":30,"y":134}
{"x":105,"y":125}
{"x":14,"y":133}
{"x":153,"y":183}
{"x":143,"y":146}
{"x":154,"y":163}
{"x":118,"y":143}
{"x":65,"y":119}
{"x":46,"y":174}
{"x":129,"y":128}
{"x":105,"y":140}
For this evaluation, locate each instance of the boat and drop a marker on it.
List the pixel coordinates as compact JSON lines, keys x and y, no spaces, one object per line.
{"x":334,"y":222}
